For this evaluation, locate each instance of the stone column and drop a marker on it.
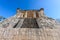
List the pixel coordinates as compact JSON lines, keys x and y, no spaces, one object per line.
{"x":22,"y":15}
{"x":34,"y":15}
{"x":18,"y":13}
{"x":26,"y":14}
{"x":39,"y":14}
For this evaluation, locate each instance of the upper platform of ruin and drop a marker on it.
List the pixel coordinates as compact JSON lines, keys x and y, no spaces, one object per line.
{"x":30,"y":13}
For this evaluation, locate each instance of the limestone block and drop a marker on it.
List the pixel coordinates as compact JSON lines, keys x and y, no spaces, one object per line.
{"x":29,"y":34}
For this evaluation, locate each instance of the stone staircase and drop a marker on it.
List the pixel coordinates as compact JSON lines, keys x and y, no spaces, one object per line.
{"x":30,"y":23}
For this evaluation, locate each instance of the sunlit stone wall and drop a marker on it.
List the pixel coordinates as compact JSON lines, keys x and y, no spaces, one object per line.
{"x":29,"y":34}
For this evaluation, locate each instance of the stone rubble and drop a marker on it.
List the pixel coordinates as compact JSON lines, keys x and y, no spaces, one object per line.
{"x":46,"y":22}
{"x":10,"y":21}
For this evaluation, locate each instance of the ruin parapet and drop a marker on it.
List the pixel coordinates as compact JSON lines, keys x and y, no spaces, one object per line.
{"x":30,"y":13}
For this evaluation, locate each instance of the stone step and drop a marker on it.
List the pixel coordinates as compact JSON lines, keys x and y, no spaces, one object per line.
{"x":30,"y":23}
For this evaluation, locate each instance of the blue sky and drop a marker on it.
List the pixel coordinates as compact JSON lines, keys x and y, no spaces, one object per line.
{"x":8,"y":7}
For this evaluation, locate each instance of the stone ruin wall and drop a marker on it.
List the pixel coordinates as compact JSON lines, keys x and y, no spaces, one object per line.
{"x":30,"y":13}
{"x":29,"y":34}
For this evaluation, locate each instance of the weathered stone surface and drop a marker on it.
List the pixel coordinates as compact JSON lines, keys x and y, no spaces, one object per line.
{"x":35,"y":26}
{"x":24,"y":18}
{"x":30,"y":23}
{"x":46,"y":22}
{"x":10,"y":22}
{"x":29,"y":34}
{"x":19,"y":24}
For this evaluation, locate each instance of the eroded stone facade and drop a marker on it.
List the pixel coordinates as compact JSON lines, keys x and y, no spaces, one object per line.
{"x":29,"y":34}
{"x":30,"y":13}
{"x":29,"y":25}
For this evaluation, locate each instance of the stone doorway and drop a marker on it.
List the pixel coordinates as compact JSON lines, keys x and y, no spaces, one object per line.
{"x":30,"y":14}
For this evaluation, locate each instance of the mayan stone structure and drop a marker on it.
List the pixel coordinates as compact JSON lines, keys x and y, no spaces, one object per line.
{"x":29,"y":25}
{"x":29,"y":34}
